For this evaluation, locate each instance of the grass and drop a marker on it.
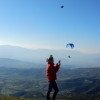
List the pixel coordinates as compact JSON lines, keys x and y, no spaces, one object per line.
{"x":15,"y":98}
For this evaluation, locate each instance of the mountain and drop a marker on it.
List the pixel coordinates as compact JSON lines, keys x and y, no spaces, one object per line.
{"x":39,"y":56}
{"x":13,"y":63}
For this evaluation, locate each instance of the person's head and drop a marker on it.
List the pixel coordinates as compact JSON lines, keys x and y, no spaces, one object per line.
{"x":50,"y":59}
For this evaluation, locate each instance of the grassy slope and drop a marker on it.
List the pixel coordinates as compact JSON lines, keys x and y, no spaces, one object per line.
{"x":78,"y":98}
{"x":15,"y":98}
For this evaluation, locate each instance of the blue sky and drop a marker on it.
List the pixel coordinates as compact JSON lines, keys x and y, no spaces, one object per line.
{"x":43,"y":24}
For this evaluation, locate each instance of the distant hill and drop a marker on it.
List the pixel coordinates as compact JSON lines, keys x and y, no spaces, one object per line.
{"x":39,"y":56}
{"x":13,"y":63}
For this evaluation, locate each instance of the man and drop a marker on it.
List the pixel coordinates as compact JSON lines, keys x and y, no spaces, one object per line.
{"x":51,"y":71}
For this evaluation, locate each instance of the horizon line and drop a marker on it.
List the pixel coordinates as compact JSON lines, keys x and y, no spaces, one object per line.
{"x":45,"y":48}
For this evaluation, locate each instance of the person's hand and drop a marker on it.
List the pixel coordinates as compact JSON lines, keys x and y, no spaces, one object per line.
{"x":59,"y":62}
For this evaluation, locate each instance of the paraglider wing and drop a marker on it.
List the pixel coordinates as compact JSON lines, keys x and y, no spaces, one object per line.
{"x":70,"y":44}
{"x":62,"y":6}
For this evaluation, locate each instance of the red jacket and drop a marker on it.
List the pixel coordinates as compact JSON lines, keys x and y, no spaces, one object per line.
{"x":51,"y":71}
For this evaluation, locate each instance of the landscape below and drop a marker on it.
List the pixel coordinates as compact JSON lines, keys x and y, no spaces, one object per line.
{"x":31,"y":84}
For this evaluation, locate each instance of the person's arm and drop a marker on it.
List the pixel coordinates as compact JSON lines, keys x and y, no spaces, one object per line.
{"x":56,"y":68}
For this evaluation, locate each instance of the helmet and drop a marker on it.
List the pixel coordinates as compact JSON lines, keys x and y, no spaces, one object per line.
{"x":49,"y":58}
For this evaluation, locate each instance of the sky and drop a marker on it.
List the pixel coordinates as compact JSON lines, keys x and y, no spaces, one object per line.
{"x":44,"y":24}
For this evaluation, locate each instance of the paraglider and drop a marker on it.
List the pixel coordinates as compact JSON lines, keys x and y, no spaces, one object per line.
{"x":69,"y":57}
{"x":62,"y":6}
{"x":71,"y":45}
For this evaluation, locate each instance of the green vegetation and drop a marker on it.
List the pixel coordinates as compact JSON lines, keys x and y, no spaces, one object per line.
{"x":75,"y":97}
{"x":12,"y":98}
{"x":82,"y":84}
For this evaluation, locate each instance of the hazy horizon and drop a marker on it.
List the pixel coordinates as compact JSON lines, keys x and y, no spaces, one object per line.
{"x":67,"y":49}
{"x":39,"y":56}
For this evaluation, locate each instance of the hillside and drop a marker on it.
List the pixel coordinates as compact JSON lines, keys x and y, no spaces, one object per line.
{"x":74,"y":97}
{"x":13,"y":98}
{"x":13,"y":63}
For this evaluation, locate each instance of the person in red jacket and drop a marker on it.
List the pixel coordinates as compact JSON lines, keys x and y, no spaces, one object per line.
{"x":51,"y":71}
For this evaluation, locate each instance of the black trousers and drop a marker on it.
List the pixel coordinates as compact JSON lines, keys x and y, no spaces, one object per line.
{"x":53,"y":85}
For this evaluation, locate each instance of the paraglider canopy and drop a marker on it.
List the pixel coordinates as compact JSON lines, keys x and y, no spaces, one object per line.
{"x":71,"y":45}
{"x":62,"y":6}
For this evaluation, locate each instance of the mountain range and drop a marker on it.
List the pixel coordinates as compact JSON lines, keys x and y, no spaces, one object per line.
{"x":39,"y":56}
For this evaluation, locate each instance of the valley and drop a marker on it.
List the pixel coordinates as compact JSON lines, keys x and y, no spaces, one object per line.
{"x":32,"y":83}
